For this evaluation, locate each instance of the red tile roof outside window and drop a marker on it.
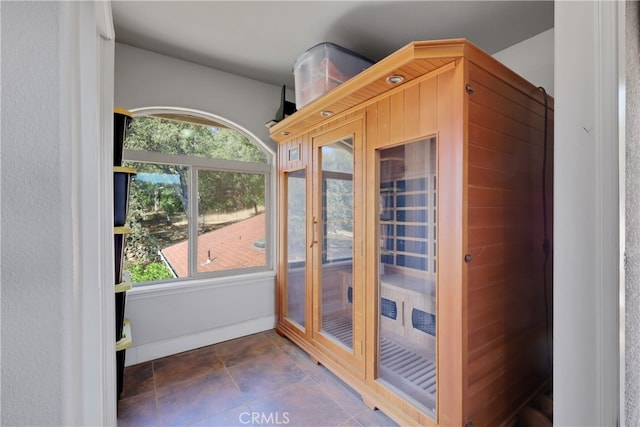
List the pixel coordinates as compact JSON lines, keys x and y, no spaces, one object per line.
{"x":230,"y":248}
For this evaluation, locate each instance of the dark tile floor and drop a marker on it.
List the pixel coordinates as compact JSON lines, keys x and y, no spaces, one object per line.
{"x":258,"y":380}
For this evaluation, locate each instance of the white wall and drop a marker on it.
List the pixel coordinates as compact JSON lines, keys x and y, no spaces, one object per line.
{"x":33,"y":197}
{"x":174,"y":318}
{"x":632,"y":279}
{"x":147,"y":79}
{"x":532,"y":59}
{"x":57,"y":360}
{"x":587,"y":258}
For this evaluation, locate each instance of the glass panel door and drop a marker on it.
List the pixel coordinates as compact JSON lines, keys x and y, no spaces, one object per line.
{"x":407,"y":270}
{"x":296,"y":247}
{"x":335,"y":229}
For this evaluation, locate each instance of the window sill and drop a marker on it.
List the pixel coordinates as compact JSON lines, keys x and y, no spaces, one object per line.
{"x":200,"y":284}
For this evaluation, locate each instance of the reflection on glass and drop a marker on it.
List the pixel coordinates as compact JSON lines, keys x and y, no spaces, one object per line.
{"x":296,"y":246}
{"x":336,"y":231}
{"x":407,"y":276}
{"x":231,"y":220}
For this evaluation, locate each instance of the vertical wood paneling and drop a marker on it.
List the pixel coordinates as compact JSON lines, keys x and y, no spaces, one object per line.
{"x":396,"y":118}
{"x":281,"y":237}
{"x":428,"y":108}
{"x":412,"y":112}
{"x":383,"y":123}
{"x":371,"y":140}
{"x":308,"y":160}
{"x":451,"y":301}
{"x":359,"y":232}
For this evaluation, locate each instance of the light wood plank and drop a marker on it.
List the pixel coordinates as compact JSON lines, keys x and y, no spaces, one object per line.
{"x":396,"y":117}
{"x":451,"y":311}
{"x":412,"y":113}
{"x":428,"y":106}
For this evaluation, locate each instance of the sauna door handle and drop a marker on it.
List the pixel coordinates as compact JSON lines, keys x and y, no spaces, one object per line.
{"x":313,"y":232}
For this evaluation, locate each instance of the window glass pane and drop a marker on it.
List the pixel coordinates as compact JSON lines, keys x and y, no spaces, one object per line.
{"x":231,"y":221}
{"x":296,"y":246}
{"x":158,"y":206}
{"x":182,"y":138}
{"x":226,"y":212}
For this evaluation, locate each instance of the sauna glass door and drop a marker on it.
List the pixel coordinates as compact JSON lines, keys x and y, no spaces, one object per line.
{"x":335,"y":240}
{"x":296,"y":249}
{"x":337,"y":224}
{"x":407,"y":247}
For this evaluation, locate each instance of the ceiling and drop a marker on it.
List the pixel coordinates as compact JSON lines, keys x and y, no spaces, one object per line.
{"x":262,"y":39}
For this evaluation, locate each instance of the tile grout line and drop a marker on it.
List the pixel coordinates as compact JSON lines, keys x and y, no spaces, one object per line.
{"x":275,"y":343}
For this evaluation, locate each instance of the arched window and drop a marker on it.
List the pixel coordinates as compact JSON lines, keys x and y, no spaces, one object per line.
{"x":198,"y":205}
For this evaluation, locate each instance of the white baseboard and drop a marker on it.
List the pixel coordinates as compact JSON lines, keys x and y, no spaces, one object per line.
{"x":156,"y":350}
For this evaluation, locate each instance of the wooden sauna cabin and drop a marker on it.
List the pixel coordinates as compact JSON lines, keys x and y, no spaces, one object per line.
{"x":414,"y":204}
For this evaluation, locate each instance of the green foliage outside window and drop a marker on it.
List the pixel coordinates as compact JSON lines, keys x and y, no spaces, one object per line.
{"x":159,"y":202}
{"x":149,"y":273}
